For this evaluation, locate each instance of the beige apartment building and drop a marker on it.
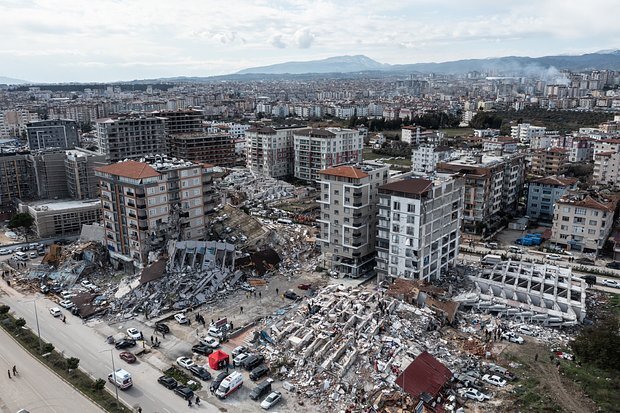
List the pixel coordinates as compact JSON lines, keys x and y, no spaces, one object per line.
{"x":348,"y":221}
{"x":607,"y":162}
{"x":270,"y":151}
{"x":146,"y":202}
{"x":582,"y":221}
{"x":553,"y":161}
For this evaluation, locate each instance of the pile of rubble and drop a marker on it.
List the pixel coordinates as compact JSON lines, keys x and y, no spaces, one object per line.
{"x":255,"y":187}
{"x":347,"y":346}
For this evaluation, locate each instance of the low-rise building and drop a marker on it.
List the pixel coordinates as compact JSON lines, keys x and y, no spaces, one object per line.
{"x":583,"y":221}
{"x":500,"y":145}
{"x":63,"y":217}
{"x":425,"y":157}
{"x":418,"y":232}
{"x":553,"y":161}
{"x":543,"y":193}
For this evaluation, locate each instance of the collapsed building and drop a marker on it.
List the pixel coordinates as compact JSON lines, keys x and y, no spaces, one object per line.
{"x":542,"y":293}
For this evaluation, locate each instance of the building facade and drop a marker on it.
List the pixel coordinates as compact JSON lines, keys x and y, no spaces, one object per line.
{"x":418,"y":232}
{"x":80,"y":165}
{"x":48,"y":168}
{"x":348,"y":218}
{"x":424,"y":157}
{"x":49,"y":134}
{"x":607,"y":162}
{"x":543,"y":193}
{"x":213,"y":148}
{"x":318,"y":149}
{"x":524,"y":132}
{"x":146,"y":202}
{"x":16,"y":180}
{"x":553,"y":161}
{"x":61,"y":218}
{"x":270,"y":150}
{"x":583,"y":222}
{"x":131,"y":137}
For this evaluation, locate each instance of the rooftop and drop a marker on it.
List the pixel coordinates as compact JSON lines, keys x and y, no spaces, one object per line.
{"x":129,"y":169}
{"x":415,"y":186}
{"x":555,"y":181}
{"x":63,"y":204}
{"x":345,"y":171}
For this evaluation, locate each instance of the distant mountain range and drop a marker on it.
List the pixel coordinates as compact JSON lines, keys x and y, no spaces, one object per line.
{"x":510,"y":65}
{"x":11,"y":81}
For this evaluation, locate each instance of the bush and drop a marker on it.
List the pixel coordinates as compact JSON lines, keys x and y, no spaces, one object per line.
{"x":99,"y":384}
{"x":4,"y":309}
{"x":20,"y":322}
{"x":600,"y":344}
{"x":48,"y":347}
{"x":72,"y":363}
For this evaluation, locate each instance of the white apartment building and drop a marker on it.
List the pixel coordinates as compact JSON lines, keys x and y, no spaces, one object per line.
{"x":318,"y":149}
{"x":607,"y":162}
{"x":425,"y":157}
{"x":581,"y":150}
{"x":144,"y":202}
{"x":418,"y":232}
{"x":348,"y":218}
{"x":583,"y":222}
{"x":13,"y":121}
{"x":270,"y":150}
{"x":524,"y":132}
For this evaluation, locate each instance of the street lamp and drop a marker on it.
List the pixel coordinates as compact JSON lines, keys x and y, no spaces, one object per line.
{"x":113,"y":373}
{"x":36,"y":317}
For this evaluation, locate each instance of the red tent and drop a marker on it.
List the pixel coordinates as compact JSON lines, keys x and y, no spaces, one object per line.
{"x":218,"y":360}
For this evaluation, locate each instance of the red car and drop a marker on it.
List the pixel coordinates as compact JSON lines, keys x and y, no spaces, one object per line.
{"x":304,"y":286}
{"x":128,"y":357}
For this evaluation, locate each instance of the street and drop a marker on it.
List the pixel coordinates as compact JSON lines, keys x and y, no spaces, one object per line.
{"x":35,"y":388}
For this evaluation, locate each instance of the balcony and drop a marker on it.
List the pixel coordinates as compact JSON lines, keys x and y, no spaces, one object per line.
{"x":140,"y":195}
{"x":357,"y":204}
{"x":357,"y":244}
{"x":357,"y":215}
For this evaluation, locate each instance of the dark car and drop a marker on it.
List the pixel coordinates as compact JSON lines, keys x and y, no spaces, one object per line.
{"x":614,"y":265}
{"x":261,"y":389}
{"x":217,"y":381}
{"x":259,"y":372}
{"x":184,"y":392}
{"x":124,"y":344}
{"x":162,"y":328}
{"x":200,"y":372}
{"x":168,"y":382}
{"x":253,"y":361}
{"x":201,"y":349}
{"x":291,"y":295}
{"x":128,"y":357}
{"x":585,"y":261}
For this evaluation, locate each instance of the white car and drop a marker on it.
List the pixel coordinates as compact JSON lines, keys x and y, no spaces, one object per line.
{"x":134,"y":334}
{"x":238,"y":361}
{"x":494,"y":380}
{"x":238,"y":350}
{"x":209,"y":341}
{"x":66,"y":304}
{"x":611,"y":283}
{"x":66,"y":294}
{"x":55,"y":311}
{"x":475,"y":394}
{"x":527,"y":330}
{"x":512,"y":337}
{"x":554,"y":257}
{"x":215,"y":332}
{"x":4,"y":251}
{"x":181,"y":319}
{"x":185,"y":362}
{"x":271,"y":400}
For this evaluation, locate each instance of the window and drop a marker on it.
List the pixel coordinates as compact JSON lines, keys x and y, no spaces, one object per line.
{"x":396,"y":206}
{"x":565,"y":219}
{"x":580,"y":211}
{"x":411,"y":208}
{"x":591,"y":231}
{"x":593,"y":222}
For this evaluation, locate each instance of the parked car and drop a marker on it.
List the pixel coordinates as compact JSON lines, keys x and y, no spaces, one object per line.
{"x":181,"y":319}
{"x":475,"y":394}
{"x":124,"y":344}
{"x":185,"y":362}
{"x":33,"y":254}
{"x":184,"y":392}
{"x":258,"y":372}
{"x":587,"y":261}
{"x":213,"y":331}
{"x":66,"y":294}
{"x":271,"y":400}
{"x":515,"y":250}
{"x":66,"y":304}
{"x":261,"y":389}
{"x":55,"y":311}
{"x":614,"y":265}
{"x":128,"y":357}
{"x":494,"y":380}
{"x":512,"y":337}
{"x":291,"y":295}
{"x":527,"y":330}
{"x":4,"y":251}
{"x":494,"y":368}
{"x":133,"y":333}
{"x":238,"y":361}
{"x":162,"y":328}
{"x":491,"y":245}
{"x":217,"y":381}
{"x":554,"y":257}
{"x":209,"y":342}
{"x":202,"y":349}
{"x":238,"y":350}
{"x":167,"y":382}
{"x":611,"y":283}
{"x":200,"y":372}
{"x":253,"y":361}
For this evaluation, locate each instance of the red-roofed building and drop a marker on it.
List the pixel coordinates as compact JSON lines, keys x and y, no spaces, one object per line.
{"x":139,"y":199}
{"x":424,"y":378}
{"x":348,"y":217}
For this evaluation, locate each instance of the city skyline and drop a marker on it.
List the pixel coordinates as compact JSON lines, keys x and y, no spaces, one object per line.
{"x":112,"y":40}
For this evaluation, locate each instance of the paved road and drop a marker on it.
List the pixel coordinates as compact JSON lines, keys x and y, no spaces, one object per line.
{"x":35,"y":388}
{"x":81,"y":341}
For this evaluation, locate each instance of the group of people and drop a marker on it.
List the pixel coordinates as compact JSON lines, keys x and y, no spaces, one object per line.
{"x":14,"y":372}
{"x":189,"y":401}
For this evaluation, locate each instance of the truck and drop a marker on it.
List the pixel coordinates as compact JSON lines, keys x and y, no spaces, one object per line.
{"x":121,"y":379}
{"x":491,"y":259}
{"x":229,"y":385}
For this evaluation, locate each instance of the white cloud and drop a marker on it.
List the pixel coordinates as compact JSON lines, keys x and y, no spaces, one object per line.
{"x":276,"y":41}
{"x":304,"y":38}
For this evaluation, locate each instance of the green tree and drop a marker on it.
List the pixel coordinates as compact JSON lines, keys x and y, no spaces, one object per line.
{"x":73,"y":363}
{"x":600,"y":344}
{"x":22,"y":220}
{"x":99,"y":384}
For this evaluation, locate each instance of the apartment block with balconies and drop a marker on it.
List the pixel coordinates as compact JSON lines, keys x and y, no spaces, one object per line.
{"x":270,"y":151}
{"x":607,"y":163}
{"x":349,"y":206}
{"x":419,"y":227}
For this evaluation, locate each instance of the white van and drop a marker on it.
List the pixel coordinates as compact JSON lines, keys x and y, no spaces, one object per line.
{"x":121,"y":379}
{"x":230,"y":384}
{"x":490,"y":259}
{"x":21,"y":256}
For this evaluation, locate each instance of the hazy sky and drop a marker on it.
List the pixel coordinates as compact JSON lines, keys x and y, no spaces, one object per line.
{"x":107,"y":40}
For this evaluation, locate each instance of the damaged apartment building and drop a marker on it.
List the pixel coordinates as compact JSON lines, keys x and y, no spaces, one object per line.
{"x":148,"y":202}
